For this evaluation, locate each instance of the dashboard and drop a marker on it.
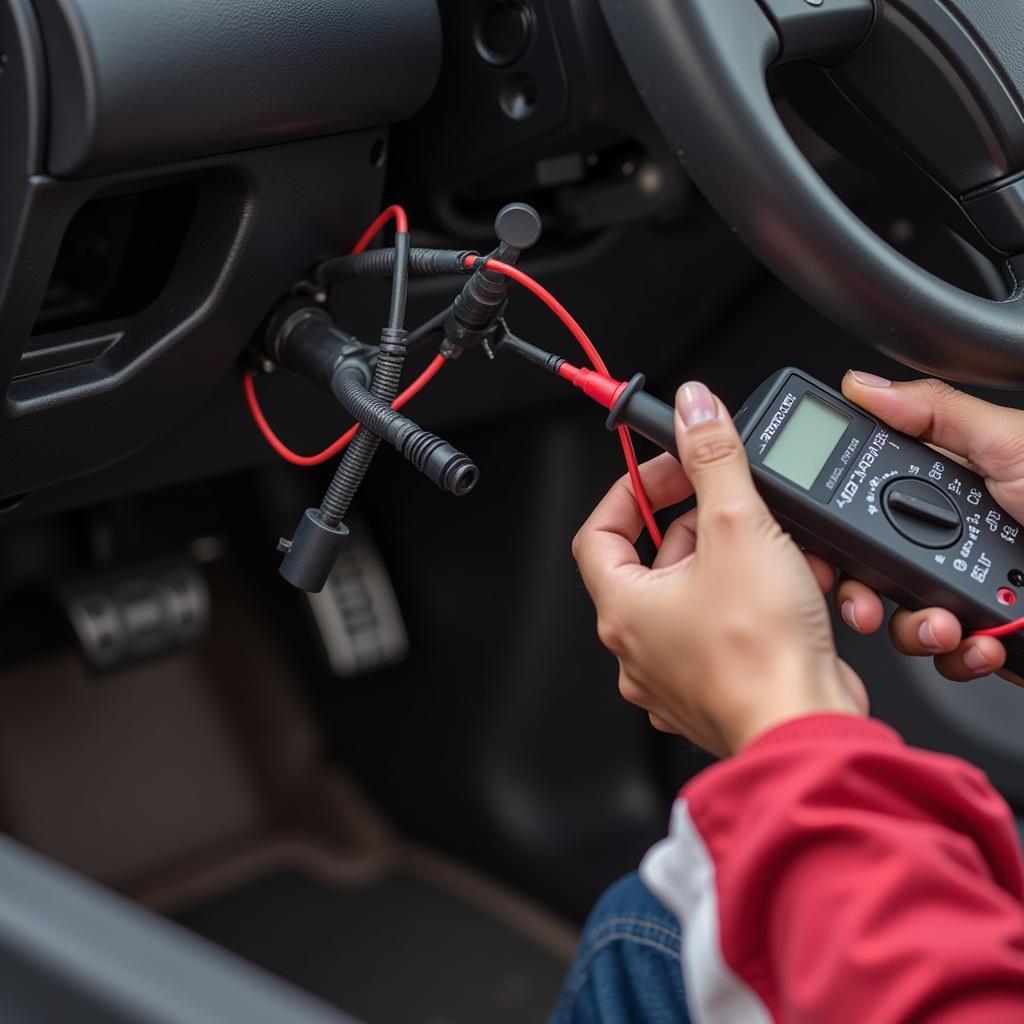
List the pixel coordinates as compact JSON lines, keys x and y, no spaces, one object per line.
{"x":167,"y":170}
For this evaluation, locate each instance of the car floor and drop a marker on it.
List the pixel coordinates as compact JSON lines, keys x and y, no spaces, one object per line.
{"x":198,"y":785}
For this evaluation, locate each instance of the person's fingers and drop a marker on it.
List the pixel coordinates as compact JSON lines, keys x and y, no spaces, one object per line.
{"x":679,"y":542}
{"x":977,"y":656}
{"x":824,"y":573}
{"x":989,"y":436}
{"x":604,"y":550}
{"x":713,"y":458}
{"x":932,"y":631}
{"x":632,"y":692}
{"x":859,"y":606}
{"x":665,"y":483}
{"x":604,"y":545}
{"x":661,"y":725}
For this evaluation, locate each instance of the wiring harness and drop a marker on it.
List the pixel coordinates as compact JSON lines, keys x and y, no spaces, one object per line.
{"x":365,"y":379}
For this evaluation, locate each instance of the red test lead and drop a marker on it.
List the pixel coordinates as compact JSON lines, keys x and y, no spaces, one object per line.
{"x":583,"y":339}
{"x":603,"y":390}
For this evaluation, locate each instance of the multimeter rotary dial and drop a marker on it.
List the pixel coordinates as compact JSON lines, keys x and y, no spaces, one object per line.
{"x":922,"y":513}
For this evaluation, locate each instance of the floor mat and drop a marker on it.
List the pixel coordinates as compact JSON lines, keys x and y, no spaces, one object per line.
{"x":398,"y":952}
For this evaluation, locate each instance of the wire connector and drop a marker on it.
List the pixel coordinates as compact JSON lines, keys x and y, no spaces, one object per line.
{"x":509,"y":342}
{"x":435,"y":458}
{"x":477,"y":310}
{"x":306,"y":339}
{"x":310,"y":555}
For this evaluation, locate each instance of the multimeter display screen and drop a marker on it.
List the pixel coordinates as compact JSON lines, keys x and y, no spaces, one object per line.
{"x":806,"y":441}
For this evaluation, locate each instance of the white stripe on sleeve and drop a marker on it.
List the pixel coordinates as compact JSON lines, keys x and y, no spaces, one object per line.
{"x":680,"y":872}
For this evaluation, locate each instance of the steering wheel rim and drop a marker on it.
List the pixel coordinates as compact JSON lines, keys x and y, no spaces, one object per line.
{"x":701,"y":66}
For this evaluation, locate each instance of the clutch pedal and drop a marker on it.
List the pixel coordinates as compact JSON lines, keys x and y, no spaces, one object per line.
{"x":124,"y":616}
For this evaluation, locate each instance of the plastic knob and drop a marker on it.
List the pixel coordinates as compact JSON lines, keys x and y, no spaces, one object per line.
{"x":922,"y":513}
{"x":518,"y":225}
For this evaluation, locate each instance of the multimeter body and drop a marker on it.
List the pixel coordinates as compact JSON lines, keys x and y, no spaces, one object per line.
{"x":883,"y":507}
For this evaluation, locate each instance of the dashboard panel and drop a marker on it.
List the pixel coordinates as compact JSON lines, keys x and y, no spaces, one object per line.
{"x":168,"y":170}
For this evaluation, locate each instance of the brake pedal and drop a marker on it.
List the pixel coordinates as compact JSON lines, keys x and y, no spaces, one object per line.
{"x":357,"y":614}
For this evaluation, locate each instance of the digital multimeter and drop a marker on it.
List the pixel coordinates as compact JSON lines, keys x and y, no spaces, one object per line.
{"x":881,"y":506}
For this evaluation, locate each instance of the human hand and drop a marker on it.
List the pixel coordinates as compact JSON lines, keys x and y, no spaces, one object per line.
{"x":989,"y":439}
{"x":728,"y":634}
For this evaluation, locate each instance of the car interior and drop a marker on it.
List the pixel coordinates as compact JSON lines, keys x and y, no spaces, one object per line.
{"x":378,"y":769}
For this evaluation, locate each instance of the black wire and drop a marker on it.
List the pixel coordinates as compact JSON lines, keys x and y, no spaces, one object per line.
{"x":428,"y":330}
{"x":400,"y":282}
{"x":387,"y":375}
{"x":381,"y":263}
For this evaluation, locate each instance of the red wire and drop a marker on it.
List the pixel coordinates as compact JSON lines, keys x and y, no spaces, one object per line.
{"x":249,"y":387}
{"x":398,"y":215}
{"x":395,"y":213}
{"x":626,"y":440}
{"x":1005,"y":630}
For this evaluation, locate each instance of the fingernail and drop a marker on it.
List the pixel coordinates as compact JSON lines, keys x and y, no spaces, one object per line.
{"x":926,"y":635}
{"x":870,"y":380}
{"x":976,"y":661}
{"x":696,"y":404}
{"x":849,"y":614}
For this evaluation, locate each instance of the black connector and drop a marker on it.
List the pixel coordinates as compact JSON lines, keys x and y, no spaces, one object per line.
{"x":305,"y":339}
{"x":310,"y":555}
{"x":478,"y":308}
{"x":437,"y":459}
{"x":321,"y":535}
{"x":548,"y":361}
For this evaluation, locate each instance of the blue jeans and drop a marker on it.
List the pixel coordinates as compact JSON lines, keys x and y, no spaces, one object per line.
{"x":627,"y":969}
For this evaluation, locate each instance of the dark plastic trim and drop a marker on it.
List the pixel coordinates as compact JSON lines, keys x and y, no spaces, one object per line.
{"x":22,"y":124}
{"x":135,"y":84}
{"x":999,"y":214}
{"x":46,"y":358}
{"x":811,"y":29}
{"x":253,"y":229}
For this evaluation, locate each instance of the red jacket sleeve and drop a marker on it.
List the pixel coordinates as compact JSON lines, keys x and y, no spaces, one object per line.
{"x":829,"y":873}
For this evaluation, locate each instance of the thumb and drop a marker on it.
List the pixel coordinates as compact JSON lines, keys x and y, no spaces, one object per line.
{"x":713,"y":457}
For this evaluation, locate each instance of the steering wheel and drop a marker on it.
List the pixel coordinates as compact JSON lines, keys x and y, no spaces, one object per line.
{"x":932,"y":89}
